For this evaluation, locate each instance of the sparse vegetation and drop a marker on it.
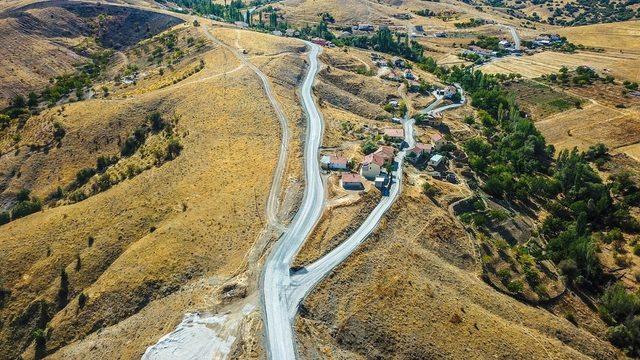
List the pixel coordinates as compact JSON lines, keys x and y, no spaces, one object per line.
{"x":471,"y":23}
{"x":63,"y":290}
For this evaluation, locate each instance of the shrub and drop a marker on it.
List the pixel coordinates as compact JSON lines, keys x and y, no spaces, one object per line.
{"x":90,"y":241}
{"x":23,"y":195}
{"x":173,"y":149}
{"x":4,"y":217}
{"x":58,"y":131}
{"x":622,"y":260}
{"x":504,"y":275}
{"x":368,"y":147}
{"x":83,"y":175}
{"x":156,"y":122}
{"x":532,"y":276}
{"x":40,"y":343}
{"x":104,"y":182}
{"x":4,"y":121}
{"x":103,"y":162}
{"x":430,"y":190}
{"x":571,"y":317}
{"x":82,"y":300}
{"x":617,"y":304}
{"x":25,"y":208}
{"x":469,"y":119}
{"x":568,"y":268}
{"x":515,"y":286}
{"x":63,"y":290}
{"x":129,"y":146}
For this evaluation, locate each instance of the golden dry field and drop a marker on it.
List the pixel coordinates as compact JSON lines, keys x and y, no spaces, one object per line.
{"x":623,"y":66}
{"x":188,"y":230}
{"x":618,"y":36}
{"x":594,"y":123}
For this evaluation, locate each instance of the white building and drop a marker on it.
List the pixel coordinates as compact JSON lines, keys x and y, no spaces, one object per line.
{"x":334,"y":162}
{"x":436,"y":160}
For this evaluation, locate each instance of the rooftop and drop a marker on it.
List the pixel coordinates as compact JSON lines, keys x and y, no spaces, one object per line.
{"x":394,"y":133}
{"x":351,"y":178}
{"x":436,"y":158}
{"x":335,"y":159}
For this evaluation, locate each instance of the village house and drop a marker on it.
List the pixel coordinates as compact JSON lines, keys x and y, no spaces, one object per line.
{"x":432,"y":119}
{"x":374,"y":162}
{"x":418,"y":152}
{"x":381,"y":63}
{"x":403,"y":16}
{"x":437,"y":140}
{"x":382,"y":181}
{"x":364,"y":27}
{"x":482,"y":52}
{"x":334,"y":162}
{"x":322,"y":42}
{"x":393,"y":134}
{"x":436,"y":160}
{"x":449,"y":91}
{"x":393,"y":76}
{"x":351,"y":181}
{"x":504,"y":44}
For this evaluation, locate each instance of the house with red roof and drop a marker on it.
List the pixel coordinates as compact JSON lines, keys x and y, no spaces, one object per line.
{"x":393,"y":134}
{"x":374,"y":162}
{"x":437,"y":140}
{"x":418,"y":152}
{"x":351,"y":181}
{"x":334,"y":162}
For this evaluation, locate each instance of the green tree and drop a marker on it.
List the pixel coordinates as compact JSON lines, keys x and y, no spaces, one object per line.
{"x":368,"y":147}
{"x":63,"y":290}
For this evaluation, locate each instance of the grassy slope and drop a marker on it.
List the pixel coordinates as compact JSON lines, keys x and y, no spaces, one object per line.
{"x":207,"y":208}
{"x":412,"y":291}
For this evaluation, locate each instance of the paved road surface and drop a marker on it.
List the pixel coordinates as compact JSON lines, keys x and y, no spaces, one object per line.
{"x":514,"y":35}
{"x":275,"y":278}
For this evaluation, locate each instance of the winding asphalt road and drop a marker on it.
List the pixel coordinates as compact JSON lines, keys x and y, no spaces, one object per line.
{"x":276,"y":278}
{"x":305,"y":280}
{"x":283,"y":291}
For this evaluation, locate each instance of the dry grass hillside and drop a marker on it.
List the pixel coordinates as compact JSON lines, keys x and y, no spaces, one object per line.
{"x":158,"y":243}
{"x":389,"y":12}
{"x":44,"y":40}
{"x":412,"y":291}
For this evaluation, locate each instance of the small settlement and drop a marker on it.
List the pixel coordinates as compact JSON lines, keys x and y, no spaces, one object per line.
{"x":375,"y":166}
